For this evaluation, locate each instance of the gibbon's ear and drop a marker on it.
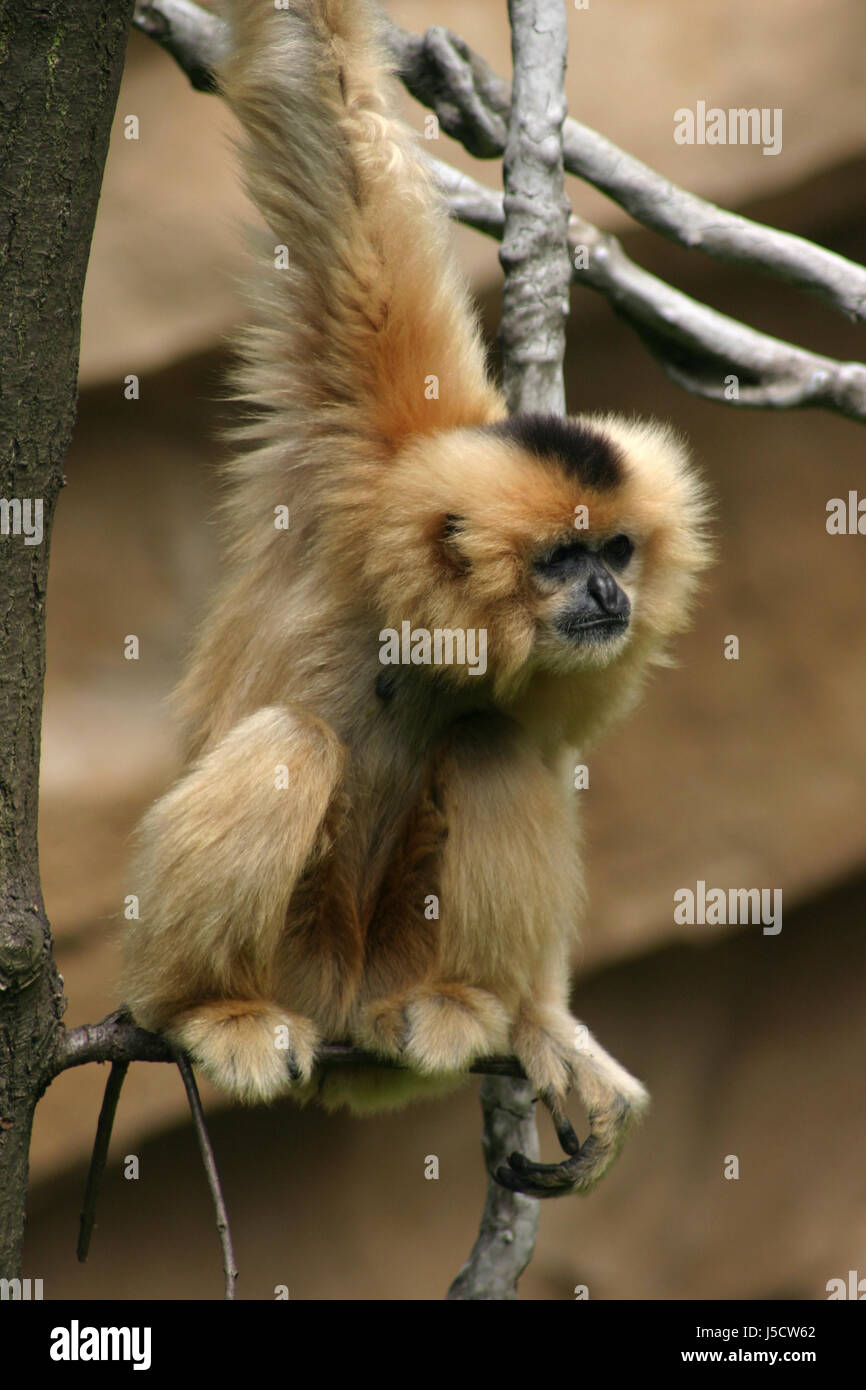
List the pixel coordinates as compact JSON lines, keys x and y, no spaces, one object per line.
{"x":449,"y":535}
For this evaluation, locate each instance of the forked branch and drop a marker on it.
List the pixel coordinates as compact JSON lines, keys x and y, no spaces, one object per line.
{"x":698,"y":347}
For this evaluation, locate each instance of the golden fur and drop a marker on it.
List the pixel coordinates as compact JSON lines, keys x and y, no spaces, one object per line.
{"x":285,"y":881}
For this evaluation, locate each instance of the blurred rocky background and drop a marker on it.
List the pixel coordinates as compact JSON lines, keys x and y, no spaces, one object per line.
{"x":748,"y":773}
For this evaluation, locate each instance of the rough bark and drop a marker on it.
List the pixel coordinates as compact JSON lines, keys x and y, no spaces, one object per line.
{"x":509,"y":1221}
{"x":534,"y":252}
{"x":60,"y":66}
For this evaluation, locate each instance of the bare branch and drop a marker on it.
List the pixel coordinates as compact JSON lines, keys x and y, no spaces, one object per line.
{"x":223,"y":1229}
{"x":194,"y":38}
{"x":441,"y":71}
{"x":506,"y":1238}
{"x":534,"y":252}
{"x":118,"y":1038}
{"x":472,"y":104}
{"x":700,"y":348}
{"x":113,"y":1087}
{"x":697,"y":346}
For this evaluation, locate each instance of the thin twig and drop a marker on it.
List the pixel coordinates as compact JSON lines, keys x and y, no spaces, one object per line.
{"x":119,"y":1039}
{"x":101,"y":1142}
{"x":210,"y":1168}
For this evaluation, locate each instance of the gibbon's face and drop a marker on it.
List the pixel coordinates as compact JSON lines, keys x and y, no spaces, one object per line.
{"x":585,"y":607}
{"x":566,"y":540}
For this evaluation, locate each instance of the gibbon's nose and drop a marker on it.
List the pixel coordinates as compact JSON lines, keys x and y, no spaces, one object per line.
{"x":608,"y":595}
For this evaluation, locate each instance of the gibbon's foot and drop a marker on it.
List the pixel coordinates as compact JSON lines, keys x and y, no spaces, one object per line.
{"x":440,"y":1027}
{"x":384,"y":1027}
{"x":452,"y":1024}
{"x":587,"y":1162}
{"x":247,"y":1047}
{"x":551,"y":1044}
{"x":544,"y":1040}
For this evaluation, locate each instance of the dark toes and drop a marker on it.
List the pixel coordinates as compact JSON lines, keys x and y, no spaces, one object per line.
{"x":568,"y":1140}
{"x":539,"y":1179}
{"x":553,"y":1179}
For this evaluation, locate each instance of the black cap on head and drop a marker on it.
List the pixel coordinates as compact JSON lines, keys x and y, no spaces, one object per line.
{"x":586,"y":453}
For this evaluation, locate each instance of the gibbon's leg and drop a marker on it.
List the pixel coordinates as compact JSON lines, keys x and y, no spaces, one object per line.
{"x":506,"y":878}
{"x":436,"y":1025}
{"x":553,"y":1048}
{"x":440,"y":1026}
{"x":511,"y":894}
{"x":219,"y":858}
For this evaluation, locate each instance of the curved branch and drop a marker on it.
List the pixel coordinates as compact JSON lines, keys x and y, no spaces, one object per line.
{"x":702,"y":349}
{"x":472,"y":104}
{"x":105,"y":1124}
{"x":195,"y":38}
{"x":697,"y":346}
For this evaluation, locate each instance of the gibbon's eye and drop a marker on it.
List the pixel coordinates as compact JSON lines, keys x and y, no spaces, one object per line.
{"x":618,"y":551}
{"x":558,"y":563}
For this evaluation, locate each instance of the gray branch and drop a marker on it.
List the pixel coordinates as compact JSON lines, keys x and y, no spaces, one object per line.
{"x":195,"y":39}
{"x":534,"y":252}
{"x":697,"y":346}
{"x":509,"y":1222}
{"x":709,"y":353}
{"x":119,"y":1039}
{"x":472,"y":104}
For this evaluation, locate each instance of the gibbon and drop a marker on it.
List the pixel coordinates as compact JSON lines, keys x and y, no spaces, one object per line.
{"x":387,"y":853}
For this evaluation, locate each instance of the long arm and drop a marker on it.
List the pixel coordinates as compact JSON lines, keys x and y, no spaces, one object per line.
{"x":370,"y":305}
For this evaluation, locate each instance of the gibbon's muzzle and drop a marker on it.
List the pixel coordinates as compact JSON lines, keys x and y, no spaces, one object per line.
{"x":597,"y":608}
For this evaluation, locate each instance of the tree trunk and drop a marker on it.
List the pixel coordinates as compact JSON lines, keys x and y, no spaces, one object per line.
{"x":60,"y":67}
